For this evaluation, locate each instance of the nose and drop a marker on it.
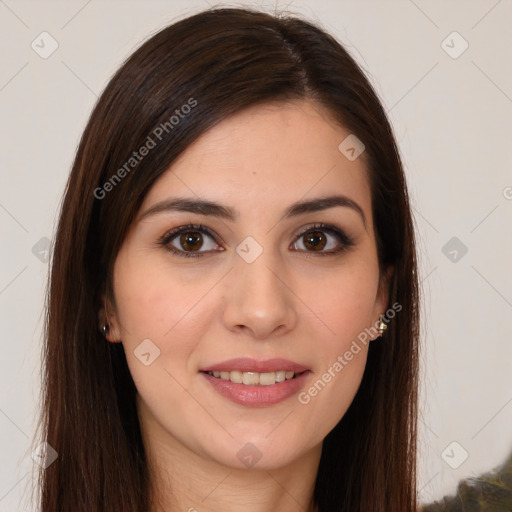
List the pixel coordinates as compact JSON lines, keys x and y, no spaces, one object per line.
{"x":259,"y":301}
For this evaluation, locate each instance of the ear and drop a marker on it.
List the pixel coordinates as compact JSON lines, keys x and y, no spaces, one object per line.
{"x":107,"y":317}
{"x":381,"y":299}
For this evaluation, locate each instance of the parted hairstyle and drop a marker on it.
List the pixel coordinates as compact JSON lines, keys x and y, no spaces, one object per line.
{"x":219,"y":61}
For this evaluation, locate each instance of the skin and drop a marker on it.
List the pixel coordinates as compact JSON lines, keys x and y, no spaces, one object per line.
{"x":290,"y":302}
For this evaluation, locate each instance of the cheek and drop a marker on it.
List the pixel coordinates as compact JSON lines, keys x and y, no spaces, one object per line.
{"x":173,"y":311}
{"x":345,"y":307}
{"x":344,"y":304}
{"x":158,"y":305}
{"x":156,"y":302}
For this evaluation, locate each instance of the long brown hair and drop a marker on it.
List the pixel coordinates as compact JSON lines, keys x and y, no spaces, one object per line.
{"x":224,"y":60}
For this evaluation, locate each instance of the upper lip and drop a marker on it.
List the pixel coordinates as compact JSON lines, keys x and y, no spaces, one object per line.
{"x":246,"y":364}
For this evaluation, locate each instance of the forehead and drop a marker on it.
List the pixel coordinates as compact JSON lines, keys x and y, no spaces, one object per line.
{"x":266,"y":157}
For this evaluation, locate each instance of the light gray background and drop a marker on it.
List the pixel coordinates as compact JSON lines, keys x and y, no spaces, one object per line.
{"x":452,"y":118}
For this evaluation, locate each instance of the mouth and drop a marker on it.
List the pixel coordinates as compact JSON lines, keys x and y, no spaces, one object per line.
{"x":255,"y":378}
{"x":250,"y":382}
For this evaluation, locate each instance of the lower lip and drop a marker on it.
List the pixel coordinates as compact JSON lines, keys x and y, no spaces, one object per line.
{"x":257,"y":396}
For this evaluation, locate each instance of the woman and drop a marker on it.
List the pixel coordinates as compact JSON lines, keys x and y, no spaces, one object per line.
{"x":233,"y":305}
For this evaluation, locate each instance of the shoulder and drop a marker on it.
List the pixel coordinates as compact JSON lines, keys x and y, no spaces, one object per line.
{"x":490,"y":492}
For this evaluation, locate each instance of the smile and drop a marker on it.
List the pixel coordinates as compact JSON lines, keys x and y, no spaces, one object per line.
{"x":256,"y":383}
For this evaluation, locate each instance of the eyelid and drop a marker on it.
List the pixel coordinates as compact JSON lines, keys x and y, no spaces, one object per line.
{"x":189,"y":227}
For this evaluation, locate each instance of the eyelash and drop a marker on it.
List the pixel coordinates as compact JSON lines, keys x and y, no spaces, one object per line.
{"x":345,"y":241}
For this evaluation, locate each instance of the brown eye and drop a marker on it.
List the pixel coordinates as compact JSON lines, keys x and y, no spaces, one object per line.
{"x":315,"y":240}
{"x":322,"y":239}
{"x":191,"y":241}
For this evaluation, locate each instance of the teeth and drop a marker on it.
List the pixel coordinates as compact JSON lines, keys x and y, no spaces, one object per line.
{"x":280,"y":376}
{"x":251,"y":378}
{"x":254,"y":378}
{"x":236,"y":377}
{"x":267,"y":379}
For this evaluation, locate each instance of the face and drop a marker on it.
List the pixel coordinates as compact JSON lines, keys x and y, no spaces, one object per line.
{"x":237,"y":318}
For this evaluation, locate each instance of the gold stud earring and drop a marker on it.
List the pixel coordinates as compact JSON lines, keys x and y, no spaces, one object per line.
{"x":382,"y":328}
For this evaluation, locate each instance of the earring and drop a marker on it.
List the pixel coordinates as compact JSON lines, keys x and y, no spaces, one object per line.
{"x":382,"y":328}
{"x":105,"y":327}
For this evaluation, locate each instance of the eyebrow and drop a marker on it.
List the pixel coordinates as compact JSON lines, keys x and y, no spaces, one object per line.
{"x":205,"y":207}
